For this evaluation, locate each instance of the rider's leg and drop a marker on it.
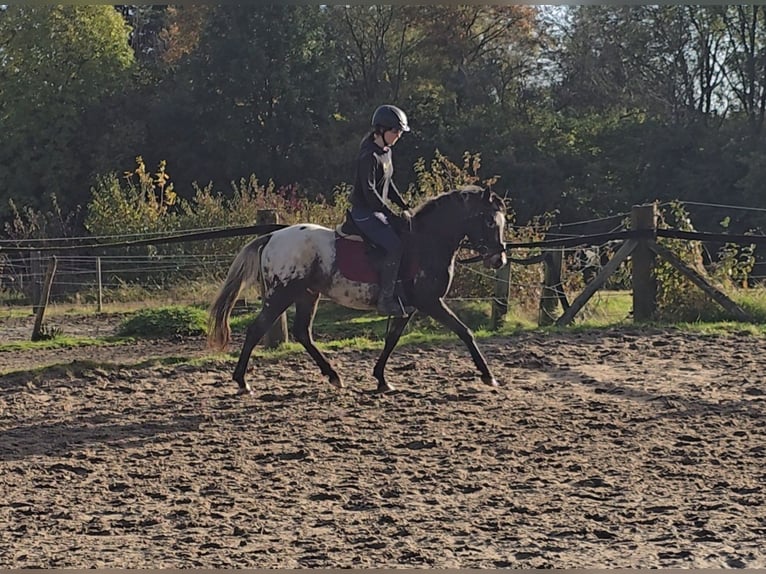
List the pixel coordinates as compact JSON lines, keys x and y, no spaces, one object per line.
{"x":388,"y":302}
{"x":382,"y":234}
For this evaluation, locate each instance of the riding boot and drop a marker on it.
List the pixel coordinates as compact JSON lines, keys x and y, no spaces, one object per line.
{"x":388,"y":303}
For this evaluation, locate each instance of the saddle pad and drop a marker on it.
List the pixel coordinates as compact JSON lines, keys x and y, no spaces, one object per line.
{"x":354,"y":263}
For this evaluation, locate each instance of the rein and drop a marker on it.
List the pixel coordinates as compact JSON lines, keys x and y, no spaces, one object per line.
{"x":482,"y":250}
{"x":520,"y":260}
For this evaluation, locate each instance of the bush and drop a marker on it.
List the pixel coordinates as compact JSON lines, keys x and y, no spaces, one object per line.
{"x":678,"y":299}
{"x":165,"y":322}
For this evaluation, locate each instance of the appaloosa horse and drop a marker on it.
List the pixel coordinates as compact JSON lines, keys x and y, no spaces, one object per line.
{"x":299,"y":263}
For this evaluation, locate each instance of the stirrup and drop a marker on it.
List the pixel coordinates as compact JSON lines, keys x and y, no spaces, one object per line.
{"x":394,"y":308}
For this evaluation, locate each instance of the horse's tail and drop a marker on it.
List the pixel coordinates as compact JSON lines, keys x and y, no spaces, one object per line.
{"x":245,"y":270}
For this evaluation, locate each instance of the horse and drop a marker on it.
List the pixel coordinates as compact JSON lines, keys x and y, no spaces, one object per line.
{"x":299,"y":263}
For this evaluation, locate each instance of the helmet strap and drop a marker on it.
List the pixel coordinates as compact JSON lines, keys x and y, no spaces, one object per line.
{"x":381,"y":133}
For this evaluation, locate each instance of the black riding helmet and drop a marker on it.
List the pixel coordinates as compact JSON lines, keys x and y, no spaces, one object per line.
{"x":391,"y":118}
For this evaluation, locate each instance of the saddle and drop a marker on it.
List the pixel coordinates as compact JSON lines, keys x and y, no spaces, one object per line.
{"x":358,"y":259}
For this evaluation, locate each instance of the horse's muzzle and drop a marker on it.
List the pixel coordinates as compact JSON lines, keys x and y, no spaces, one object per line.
{"x":495,"y":260}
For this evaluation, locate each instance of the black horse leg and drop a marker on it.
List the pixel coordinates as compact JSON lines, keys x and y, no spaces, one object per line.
{"x":397,"y":327}
{"x":446,"y":317}
{"x":273,"y":307}
{"x":305,"y":308}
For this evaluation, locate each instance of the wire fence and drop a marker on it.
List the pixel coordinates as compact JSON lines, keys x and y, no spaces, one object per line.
{"x":85,"y":277}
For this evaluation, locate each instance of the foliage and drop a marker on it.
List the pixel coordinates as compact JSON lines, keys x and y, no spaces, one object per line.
{"x":143,"y":205}
{"x":29,"y":223}
{"x":56,"y":63}
{"x":678,"y":299}
{"x":164,"y":322}
{"x":583,"y":113}
{"x":148,"y":204}
{"x":209,"y":209}
{"x":442,"y":175}
{"x":229,"y":88}
{"x":734,"y":262}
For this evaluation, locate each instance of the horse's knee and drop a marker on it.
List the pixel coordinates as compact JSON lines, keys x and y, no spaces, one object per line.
{"x":302,"y":336}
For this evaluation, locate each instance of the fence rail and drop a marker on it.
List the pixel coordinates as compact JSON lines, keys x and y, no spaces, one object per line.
{"x":87,"y":260}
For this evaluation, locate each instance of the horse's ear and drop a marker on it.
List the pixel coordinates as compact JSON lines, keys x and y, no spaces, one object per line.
{"x":486,"y":196}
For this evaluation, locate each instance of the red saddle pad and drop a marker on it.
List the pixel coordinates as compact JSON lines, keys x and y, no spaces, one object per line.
{"x":354,"y":263}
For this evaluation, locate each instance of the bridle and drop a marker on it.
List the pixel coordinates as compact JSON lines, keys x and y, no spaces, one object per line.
{"x":484,"y":252}
{"x":481,"y":247}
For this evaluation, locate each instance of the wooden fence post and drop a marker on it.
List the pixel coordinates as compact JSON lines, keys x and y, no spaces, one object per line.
{"x":100,"y":286}
{"x":550,"y":296}
{"x":501,"y":296}
{"x":36,"y":277}
{"x":278,"y":332}
{"x":644,"y":218}
{"x":42,"y":305}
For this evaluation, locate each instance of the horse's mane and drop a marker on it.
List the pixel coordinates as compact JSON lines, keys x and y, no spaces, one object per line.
{"x":445,"y":197}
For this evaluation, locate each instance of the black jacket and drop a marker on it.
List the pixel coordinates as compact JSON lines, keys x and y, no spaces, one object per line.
{"x":374,"y":188}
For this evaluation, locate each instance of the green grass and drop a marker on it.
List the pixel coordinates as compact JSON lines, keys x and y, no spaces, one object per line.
{"x":334,"y":323}
{"x":61,"y":342}
{"x":336,"y":327}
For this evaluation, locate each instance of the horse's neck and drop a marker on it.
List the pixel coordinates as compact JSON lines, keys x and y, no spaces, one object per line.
{"x":436,"y":236}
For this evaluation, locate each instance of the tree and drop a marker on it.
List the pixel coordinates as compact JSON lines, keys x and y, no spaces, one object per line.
{"x":457,"y":71}
{"x":56,"y":63}
{"x":745,"y":61}
{"x":254,"y":96}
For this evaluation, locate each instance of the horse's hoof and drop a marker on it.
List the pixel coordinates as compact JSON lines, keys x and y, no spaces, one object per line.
{"x":384,"y":388}
{"x":490,"y":380}
{"x":241,"y":391}
{"x":337,"y":382}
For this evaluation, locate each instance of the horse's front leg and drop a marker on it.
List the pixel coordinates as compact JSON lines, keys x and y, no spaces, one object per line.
{"x":394,"y":333}
{"x":446,"y":317}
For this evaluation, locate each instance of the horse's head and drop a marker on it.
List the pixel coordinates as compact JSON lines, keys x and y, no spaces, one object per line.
{"x":486,"y":225}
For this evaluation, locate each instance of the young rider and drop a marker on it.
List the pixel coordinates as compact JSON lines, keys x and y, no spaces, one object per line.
{"x":374,"y":192}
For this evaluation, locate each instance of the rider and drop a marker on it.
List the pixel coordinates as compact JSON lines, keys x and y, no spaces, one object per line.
{"x":373,"y":193}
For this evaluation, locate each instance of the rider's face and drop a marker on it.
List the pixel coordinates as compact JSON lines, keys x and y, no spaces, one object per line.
{"x":391,"y":136}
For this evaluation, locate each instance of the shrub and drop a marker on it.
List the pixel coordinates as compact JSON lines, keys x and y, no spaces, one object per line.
{"x":678,"y":299}
{"x":165,"y":322}
{"x":143,"y":205}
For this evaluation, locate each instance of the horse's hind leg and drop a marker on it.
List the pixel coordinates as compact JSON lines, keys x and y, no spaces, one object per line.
{"x":394,"y":333}
{"x":273,"y":307}
{"x":305,"y":308}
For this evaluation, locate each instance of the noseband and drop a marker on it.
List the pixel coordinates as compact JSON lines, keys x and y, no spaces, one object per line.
{"x":481,"y":247}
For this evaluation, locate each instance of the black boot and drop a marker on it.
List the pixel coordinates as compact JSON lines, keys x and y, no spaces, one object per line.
{"x":388,"y":303}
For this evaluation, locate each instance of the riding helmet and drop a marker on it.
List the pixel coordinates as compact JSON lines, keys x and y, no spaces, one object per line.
{"x":391,"y":118}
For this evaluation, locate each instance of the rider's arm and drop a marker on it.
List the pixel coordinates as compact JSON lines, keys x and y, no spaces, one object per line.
{"x":396,"y":197}
{"x":369,"y":167}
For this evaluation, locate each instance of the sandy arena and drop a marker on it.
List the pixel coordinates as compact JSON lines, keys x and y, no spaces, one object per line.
{"x":614,"y":449}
